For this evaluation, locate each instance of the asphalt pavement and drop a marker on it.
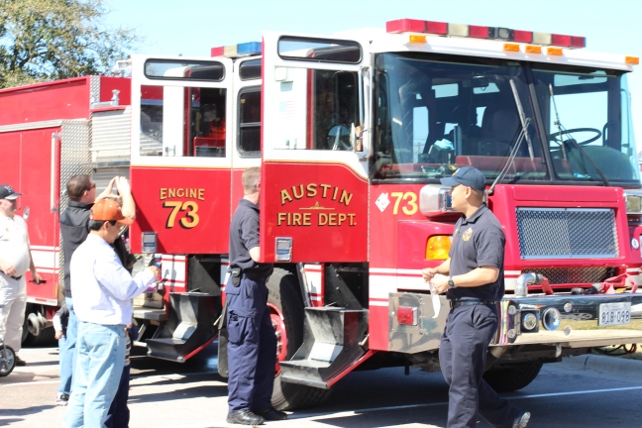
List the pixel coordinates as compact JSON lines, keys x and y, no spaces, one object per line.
{"x":193,"y":395}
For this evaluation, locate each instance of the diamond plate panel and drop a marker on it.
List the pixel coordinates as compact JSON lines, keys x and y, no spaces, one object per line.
{"x":74,"y":160}
{"x":557,"y":233}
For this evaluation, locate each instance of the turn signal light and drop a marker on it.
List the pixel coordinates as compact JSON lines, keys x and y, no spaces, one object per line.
{"x":438,"y":247}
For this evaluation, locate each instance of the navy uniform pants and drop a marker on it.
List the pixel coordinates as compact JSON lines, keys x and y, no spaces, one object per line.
{"x":462,"y":356}
{"x":251,"y":350}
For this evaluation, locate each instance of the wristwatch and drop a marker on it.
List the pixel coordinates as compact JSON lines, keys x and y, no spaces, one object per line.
{"x":451,"y":283}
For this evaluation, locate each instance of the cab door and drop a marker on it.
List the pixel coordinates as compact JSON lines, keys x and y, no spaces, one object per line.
{"x":182,"y":153}
{"x":314,"y":188}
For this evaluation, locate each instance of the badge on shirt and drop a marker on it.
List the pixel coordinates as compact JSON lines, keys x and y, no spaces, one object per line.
{"x":467,"y":234}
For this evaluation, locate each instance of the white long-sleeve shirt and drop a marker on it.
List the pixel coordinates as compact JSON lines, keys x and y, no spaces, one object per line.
{"x":102,"y":288}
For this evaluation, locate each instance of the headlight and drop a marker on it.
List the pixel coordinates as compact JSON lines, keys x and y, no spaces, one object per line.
{"x":633,"y":202}
{"x":529,"y":321}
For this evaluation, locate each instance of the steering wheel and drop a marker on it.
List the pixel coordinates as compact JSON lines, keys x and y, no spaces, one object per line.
{"x":339,"y":138}
{"x":556,"y":136}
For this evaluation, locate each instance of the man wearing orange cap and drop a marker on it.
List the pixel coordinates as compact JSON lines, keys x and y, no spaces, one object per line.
{"x":103,"y":291}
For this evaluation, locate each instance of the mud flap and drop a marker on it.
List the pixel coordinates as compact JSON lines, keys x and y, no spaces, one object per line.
{"x":222,"y":343}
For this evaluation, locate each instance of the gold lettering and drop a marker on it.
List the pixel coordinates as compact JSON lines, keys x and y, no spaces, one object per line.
{"x":281,"y":217}
{"x":353,"y":221}
{"x":325,"y":189}
{"x":312,"y":190}
{"x":345,"y":198}
{"x":323,"y":219}
{"x":294,"y":191}
{"x":285,"y":197}
{"x":182,"y":192}
{"x":334,"y":195}
{"x":307,"y":219}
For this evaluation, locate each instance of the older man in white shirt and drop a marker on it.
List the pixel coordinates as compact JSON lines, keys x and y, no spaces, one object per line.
{"x":103,"y":291}
{"x":15,"y":261}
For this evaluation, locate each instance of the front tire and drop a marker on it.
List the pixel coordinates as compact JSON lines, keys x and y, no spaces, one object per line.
{"x":513,"y":377}
{"x":287,"y":314}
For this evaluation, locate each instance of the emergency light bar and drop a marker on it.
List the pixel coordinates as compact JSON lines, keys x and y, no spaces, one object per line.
{"x":238,"y":50}
{"x":481,"y":32}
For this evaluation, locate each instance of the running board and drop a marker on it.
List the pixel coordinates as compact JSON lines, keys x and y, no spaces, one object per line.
{"x":190,"y":326}
{"x":332,"y":345}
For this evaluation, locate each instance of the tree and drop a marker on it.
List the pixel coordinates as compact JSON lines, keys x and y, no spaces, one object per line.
{"x":56,"y":39}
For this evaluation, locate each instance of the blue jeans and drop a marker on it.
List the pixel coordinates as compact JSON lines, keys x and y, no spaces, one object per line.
{"x":67,"y":346}
{"x":100,"y":358}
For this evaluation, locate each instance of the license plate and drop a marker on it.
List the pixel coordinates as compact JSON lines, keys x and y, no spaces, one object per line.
{"x":615,"y":313}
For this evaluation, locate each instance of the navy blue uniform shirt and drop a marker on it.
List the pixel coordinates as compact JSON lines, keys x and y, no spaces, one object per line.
{"x":244,"y":234}
{"x":477,"y":241}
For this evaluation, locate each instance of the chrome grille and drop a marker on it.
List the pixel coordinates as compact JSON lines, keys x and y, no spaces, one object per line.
{"x":555,"y":233}
{"x":575,"y":275}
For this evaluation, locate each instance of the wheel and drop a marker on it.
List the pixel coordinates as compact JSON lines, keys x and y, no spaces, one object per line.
{"x":36,"y":337}
{"x":7,"y":360}
{"x":286,"y":311}
{"x":46,"y":337}
{"x":557,"y":136}
{"x":512,"y":377}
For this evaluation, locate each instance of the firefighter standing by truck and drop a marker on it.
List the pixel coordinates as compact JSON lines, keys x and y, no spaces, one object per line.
{"x":252,"y":344}
{"x":474,"y":285}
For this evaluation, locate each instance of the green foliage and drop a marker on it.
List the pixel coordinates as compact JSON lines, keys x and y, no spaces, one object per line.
{"x":56,"y":39}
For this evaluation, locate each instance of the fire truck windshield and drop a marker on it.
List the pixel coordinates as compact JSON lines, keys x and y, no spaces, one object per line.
{"x":436,"y":114}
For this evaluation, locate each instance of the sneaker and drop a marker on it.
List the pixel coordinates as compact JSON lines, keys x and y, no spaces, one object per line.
{"x":522,"y":421}
{"x":62,"y":399}
{"x":20,"y":362}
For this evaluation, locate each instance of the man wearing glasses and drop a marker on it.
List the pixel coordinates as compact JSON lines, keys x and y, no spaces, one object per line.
{"x":74,"y":227}
{"x":15,"y":261}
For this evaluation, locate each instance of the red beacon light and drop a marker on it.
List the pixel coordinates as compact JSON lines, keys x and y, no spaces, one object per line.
{"x":568,"y":41}
{"x":482,"y":32}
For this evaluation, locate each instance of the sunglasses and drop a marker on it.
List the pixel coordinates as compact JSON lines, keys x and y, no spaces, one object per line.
{"x":92,"y":186}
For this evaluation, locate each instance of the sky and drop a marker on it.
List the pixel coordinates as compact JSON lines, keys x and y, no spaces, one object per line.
{"x":193,"y":27}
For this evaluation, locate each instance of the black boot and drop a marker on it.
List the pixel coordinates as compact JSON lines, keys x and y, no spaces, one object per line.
{"x":244,"y":417}
{"x":271,"y":414}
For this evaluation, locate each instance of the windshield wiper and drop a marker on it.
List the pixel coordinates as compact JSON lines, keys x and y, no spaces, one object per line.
{"x":572,"y":141}
{"x":523,"y":135}
{"x":511,"y":156}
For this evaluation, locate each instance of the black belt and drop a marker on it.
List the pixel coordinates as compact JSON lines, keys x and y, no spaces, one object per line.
{"x":457,"y":303}
{"x":16,"y":277}
{"x":255,"y":276}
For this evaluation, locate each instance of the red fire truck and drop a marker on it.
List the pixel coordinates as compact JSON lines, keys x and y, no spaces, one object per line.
{"x":353,"y":133}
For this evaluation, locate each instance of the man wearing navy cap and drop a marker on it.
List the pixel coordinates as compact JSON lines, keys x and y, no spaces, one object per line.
{"x":15,"y":261}
{"x":473,"y":280}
